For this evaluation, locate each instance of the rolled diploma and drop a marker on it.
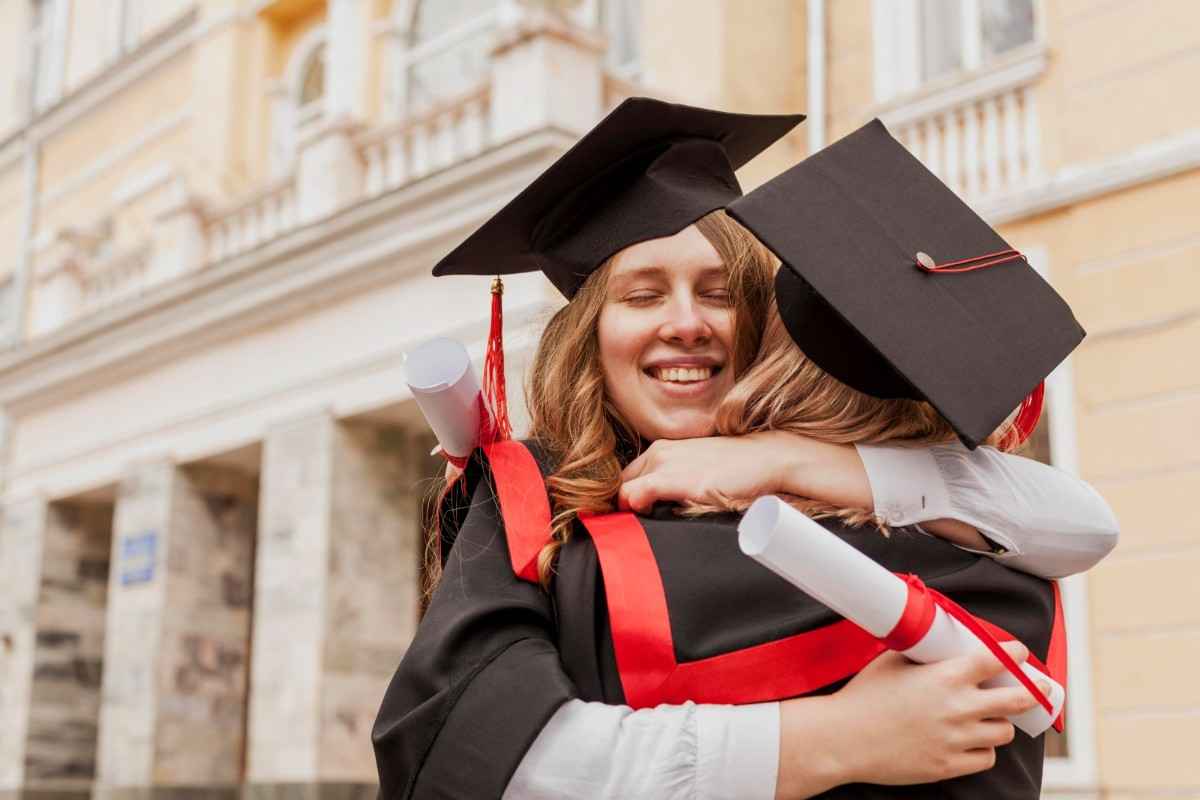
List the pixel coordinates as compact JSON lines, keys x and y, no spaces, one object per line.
{"x":799,"y":550}
{"x":443,"y":382}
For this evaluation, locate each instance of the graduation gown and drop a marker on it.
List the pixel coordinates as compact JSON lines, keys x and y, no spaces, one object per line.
{"x":647,"y":610}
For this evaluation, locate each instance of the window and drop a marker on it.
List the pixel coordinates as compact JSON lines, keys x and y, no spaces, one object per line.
{"x":8,"y":309}
{"x":127,"y":25}
{"x":311,"y":92}
{"x":47,"y":39}
{"x":919,"y":41}
{"x":619,"y":19}
{"x":449,"y":42}
{"x":298,"y":100}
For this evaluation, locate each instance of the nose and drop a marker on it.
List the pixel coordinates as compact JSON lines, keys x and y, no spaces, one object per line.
{"x":685,"y":323}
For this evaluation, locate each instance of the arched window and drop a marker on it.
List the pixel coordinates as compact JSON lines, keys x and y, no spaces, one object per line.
{"x":298,"y":99}
{"x":312,"y":79}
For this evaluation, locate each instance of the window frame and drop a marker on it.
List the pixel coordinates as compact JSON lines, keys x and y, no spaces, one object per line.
{"x":1078,"y":769}
{"x":46,"y":52}
{"x":896,"y":42}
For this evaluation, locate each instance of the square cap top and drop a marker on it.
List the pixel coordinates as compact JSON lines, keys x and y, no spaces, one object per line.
{"x":883,"y":284}
{"x":648,"y":169}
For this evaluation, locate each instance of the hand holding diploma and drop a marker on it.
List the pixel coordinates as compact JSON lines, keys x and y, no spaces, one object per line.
{"x":901,"y":613}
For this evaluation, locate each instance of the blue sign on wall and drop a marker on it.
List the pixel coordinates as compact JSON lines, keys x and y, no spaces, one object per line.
{"x":138,"y":558}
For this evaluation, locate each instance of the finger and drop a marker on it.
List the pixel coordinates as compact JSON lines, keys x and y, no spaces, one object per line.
{"x":623,"y":499}
{"x":977,"y":760}
{"x":1004,"y":701}
{"x":635,"y":467}
{"x":982,"y":665}
{"x":639,"y":495}
{"x":989,"y":733}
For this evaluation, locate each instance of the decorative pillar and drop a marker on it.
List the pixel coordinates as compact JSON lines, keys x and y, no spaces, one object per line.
{"x":330,"y":173}
{"x":57,"y":290}
{"x":179,"y":238}
{"x":545,"y":72}
{"x":346,"y":63}
{"x":336,"y":595}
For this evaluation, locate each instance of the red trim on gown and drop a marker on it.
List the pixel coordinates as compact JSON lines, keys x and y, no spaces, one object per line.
{"x":641,"y":626}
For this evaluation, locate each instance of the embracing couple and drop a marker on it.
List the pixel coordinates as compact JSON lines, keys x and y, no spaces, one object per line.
{"x":850,"y":336}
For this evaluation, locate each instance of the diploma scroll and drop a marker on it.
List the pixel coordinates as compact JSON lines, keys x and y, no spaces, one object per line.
{"x":817,"y":561}
{"x":440,"y":375}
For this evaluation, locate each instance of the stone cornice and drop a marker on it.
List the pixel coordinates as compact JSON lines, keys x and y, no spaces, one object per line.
{"x":368,"y":244}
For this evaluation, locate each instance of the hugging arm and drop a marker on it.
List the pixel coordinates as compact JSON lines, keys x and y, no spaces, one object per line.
{"x":1041,"y":519}
{"x":1044,"y":520}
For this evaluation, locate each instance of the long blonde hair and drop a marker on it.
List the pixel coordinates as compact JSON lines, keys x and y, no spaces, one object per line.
{"x":571,"y":416}
{"x":783,"y":390}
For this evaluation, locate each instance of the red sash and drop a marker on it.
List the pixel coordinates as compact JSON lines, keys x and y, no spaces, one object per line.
{"x":790,"y":667}
{"x":641,"y":628}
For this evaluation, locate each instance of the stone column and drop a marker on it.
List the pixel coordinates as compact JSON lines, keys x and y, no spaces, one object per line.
{"x":336,"y":595}
{"x":178,"y":627}
{"x":545,"y":71}
{"x":22,"y":531}
{"x":346,"y":66}
{"x":68,"y":661}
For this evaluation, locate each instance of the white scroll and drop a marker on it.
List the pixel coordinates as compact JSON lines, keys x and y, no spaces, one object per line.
{"x":817,"y":561}
{"x":442,"y":380}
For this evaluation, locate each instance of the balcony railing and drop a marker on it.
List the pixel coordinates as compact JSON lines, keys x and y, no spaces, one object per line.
{"x":540,"y":71}
{"x":264,"y":215}
{"x":402,"y":151}
{"x":114,"y":279}
{"x":978,"y":134}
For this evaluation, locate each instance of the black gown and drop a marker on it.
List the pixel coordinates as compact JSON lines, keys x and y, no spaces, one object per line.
{"x":495,"y":656}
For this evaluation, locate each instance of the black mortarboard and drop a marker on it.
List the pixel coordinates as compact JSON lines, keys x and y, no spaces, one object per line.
{"x":849,"y":223}
{"x":649,"y":169}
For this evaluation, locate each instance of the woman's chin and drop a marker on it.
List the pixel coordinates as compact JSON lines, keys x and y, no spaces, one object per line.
{"x":694,"y":427}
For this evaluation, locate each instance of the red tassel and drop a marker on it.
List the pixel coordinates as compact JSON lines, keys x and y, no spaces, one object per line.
{"x":494,"y":393}
{"x":1029,"y":414}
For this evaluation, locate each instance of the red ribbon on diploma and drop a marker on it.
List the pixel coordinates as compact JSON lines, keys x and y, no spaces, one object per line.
{"x":917,"y":619}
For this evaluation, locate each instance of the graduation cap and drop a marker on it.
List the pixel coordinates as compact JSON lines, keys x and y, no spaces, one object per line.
{"x":647,"y":170}
{"x":894,"y":286}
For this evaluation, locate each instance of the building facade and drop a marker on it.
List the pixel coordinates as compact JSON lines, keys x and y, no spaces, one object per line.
{"x":218,"y":220}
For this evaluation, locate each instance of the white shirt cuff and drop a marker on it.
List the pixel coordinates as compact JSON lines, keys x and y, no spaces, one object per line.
{"x":738,"y":751}
{"x":906,"y":484}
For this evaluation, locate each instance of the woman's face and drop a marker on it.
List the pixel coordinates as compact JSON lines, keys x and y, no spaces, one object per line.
{"x":666,"y":335}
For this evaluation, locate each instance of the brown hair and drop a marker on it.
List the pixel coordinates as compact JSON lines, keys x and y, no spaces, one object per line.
{"x":783,"y":390}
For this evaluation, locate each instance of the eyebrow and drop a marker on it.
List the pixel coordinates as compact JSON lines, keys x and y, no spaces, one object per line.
{"x":660,"y":272}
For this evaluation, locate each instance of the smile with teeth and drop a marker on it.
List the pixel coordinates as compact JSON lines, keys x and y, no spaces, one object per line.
{"x":682,"y":374}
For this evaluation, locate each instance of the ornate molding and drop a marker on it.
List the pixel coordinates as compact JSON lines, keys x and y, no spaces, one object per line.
{"x":370,"y":243}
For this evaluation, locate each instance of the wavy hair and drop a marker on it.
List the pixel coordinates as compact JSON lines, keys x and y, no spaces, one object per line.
{"x":784,"y":390}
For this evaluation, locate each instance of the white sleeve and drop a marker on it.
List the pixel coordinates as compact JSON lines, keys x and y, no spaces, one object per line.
{"x":1048,"y":522}
{"x":594,"y":750}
